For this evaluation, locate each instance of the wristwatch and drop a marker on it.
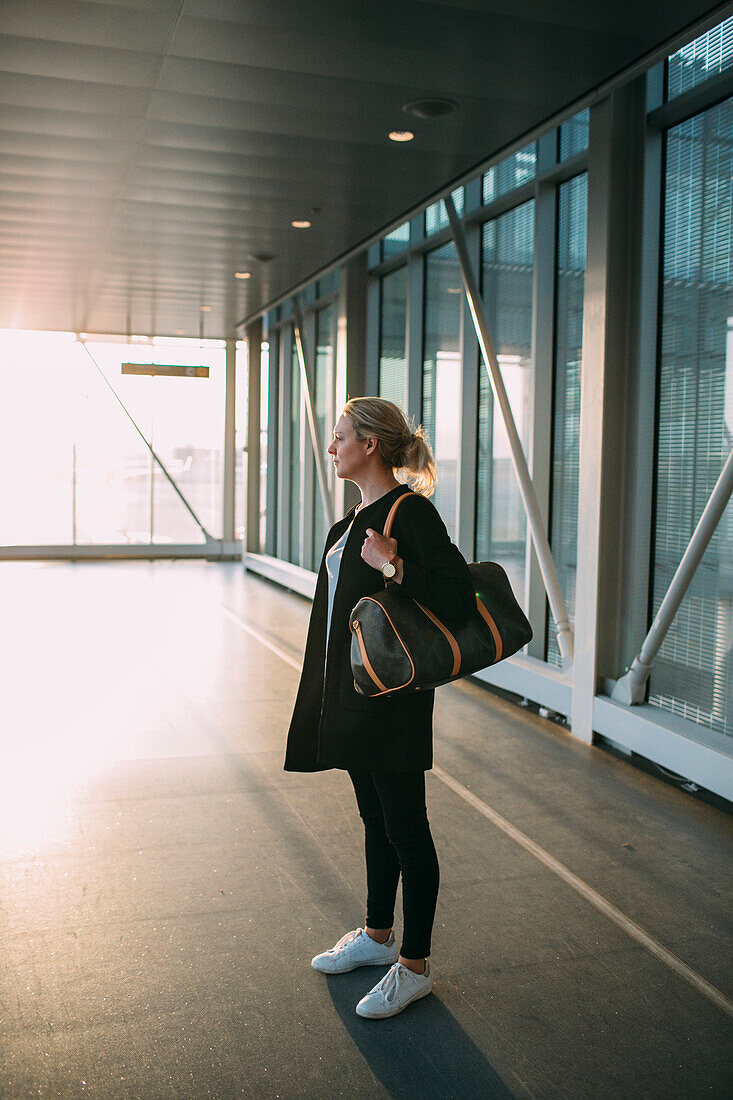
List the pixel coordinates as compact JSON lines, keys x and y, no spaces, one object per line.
{"x":389,"y":568}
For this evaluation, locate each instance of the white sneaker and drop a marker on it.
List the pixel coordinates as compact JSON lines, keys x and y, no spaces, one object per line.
{"x":356,"y":948}
{"x":399,"y":987}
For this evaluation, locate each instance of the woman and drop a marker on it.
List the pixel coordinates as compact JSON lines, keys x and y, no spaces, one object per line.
{"x":385,"y":743}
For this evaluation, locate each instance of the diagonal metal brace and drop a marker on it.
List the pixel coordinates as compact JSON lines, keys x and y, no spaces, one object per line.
{"x":210,"y":540}
{"x":630,"y":689}
{"x":312,"y":418}
{"x":526,"y":488}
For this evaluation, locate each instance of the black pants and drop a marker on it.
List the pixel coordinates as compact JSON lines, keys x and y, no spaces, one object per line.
{"x":397,"y":839}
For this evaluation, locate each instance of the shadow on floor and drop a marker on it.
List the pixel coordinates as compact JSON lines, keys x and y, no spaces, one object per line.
{"x":422,"y":1052}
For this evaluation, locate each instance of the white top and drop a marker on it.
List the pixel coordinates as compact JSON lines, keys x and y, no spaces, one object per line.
{"x":333,"y":566}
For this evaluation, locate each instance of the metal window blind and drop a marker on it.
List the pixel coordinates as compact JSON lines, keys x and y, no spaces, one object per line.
{"x":507,"y":269}
{"x":436,"y":216}
{"x":329,"y":284}
{"x":696,"y":62}
{"x":393,"y":338}
{"x":573,"y":137}
{"x":442,"y":374}
{"x":693,"y":674}
{"x":396,"y":241}
{"x":510,"y":173}
{"x":570,"y":285}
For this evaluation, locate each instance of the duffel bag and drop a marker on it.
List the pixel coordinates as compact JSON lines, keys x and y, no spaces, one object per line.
{"x":398,"y":645}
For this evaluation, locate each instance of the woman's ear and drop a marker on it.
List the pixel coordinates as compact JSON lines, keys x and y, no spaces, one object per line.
{"x":371,"y":445}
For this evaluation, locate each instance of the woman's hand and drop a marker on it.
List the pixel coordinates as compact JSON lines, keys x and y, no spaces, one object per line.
{"x":377,"y":550}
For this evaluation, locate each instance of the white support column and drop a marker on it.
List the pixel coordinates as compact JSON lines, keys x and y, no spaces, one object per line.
{"x":229,"y":446}
{"x":615,"y":160}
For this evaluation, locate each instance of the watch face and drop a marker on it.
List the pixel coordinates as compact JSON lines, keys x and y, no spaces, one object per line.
{"x":388,"y":570}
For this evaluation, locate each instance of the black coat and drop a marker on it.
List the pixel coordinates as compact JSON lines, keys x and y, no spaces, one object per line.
{"x":332,"y":725}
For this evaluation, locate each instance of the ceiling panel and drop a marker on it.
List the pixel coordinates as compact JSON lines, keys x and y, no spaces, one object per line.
{"x":150,"y":148}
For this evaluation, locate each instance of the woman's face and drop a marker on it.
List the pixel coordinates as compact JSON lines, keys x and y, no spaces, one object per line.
{"x":349,"y":453}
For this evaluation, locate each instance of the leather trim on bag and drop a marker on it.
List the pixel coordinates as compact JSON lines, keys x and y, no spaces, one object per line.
{"x":492,"y":627}
{"x":390,"y":517}
{"x":455,"y":649}
{"x":373,"y":676}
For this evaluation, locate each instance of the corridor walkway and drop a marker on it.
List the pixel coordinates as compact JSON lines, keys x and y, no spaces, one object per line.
{"x":164,"y":883}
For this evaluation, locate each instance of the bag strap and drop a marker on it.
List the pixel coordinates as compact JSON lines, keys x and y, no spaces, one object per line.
{"x":390,"y":518}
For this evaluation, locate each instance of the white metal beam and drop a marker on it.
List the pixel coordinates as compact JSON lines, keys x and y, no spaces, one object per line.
{"x":631,"y":688}
{"x":312,"y":418}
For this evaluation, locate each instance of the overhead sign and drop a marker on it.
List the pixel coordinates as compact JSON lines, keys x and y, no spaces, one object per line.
{"x":168,"y":370}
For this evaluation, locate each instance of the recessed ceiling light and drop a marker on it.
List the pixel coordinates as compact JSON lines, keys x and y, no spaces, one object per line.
{"x":302,"y":224}
{"x":180,"y":332}
{"x":401,"y":135}
{"x":206,"y":309}
{"x":432,"y":107}
{"x":242,"y":274}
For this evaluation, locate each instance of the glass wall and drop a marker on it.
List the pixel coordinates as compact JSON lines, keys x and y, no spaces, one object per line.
{"x":436,"y":216}
{"x":83,"y":474}
{"x":507,"y":271}
{"x":510,"y":173}
{"x":441,"y":408}
{"x":396,"y":241}
{"x":296,"y":429}
{"x":692,"y":675}
{"x":324,"y":380}
{"x":707,"y":55}
{"x":573,"y":135}
{"x":569,"y":290}
{"x":393,"y":338}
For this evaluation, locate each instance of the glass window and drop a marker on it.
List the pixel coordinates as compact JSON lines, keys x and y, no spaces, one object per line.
{"x":436,"y":216}
{"x":296,"y":427}
{"x":511,"y":173}
{"x":570,"y":276}
{"x":83,"y":473}
{"x":393,"y":338}
{"x":508,"y":257}
{"x":441,"y":411}
{"x":696,"y":62}
{"x":396,"y":241}
{"x":573,"y":135}
{"x":329,"y":284}
{"x":693,"y":673}
{"x":323,"y":381}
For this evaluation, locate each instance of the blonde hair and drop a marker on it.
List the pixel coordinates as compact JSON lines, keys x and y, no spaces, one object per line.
{"x":403,"y":448}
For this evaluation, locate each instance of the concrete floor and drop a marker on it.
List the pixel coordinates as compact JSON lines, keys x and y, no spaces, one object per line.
{"x":165,"y":883}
